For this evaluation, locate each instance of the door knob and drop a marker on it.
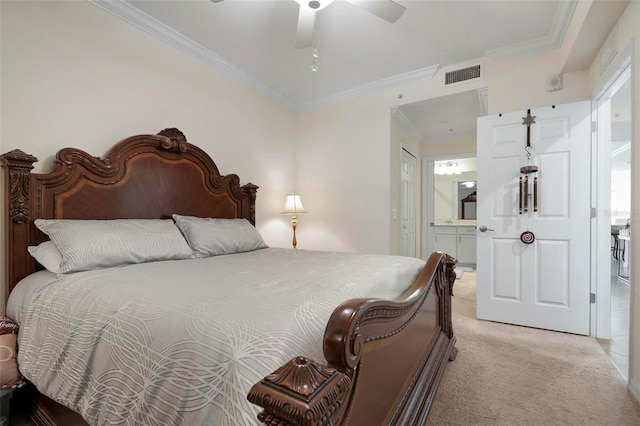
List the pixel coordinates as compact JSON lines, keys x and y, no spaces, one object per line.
{"x":483,"y":228}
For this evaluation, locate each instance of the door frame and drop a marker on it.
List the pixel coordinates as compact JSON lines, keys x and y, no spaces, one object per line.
{"x":618,"y":70}
{"x":428,"y":182}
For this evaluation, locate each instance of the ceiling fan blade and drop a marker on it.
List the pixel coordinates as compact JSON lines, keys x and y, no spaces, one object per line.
{"x":216,"y":1}
{"x":387,"y":10}
{"x":306,"y":23}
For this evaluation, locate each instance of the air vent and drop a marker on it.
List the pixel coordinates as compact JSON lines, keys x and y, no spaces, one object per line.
{"x":462,"y":75}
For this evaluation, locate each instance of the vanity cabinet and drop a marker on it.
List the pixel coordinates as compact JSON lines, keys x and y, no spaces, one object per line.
{"x":466,"y":253}
{"x":457,"y":241}
{"x":446,"y":239}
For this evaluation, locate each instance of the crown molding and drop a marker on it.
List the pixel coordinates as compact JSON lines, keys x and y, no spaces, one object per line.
{"x":401,"y":118}
{"x":139,"y":19}
{"x":396,"y":80}
{"x":552,"y":41}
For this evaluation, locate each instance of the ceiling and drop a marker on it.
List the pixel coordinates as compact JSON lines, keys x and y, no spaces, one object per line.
{"x":254,"y":41}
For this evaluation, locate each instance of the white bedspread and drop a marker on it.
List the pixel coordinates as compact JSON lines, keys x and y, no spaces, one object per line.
{"x":181,"y":342}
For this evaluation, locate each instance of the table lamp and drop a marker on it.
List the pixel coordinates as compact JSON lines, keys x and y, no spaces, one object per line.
{"x":293,"y":206}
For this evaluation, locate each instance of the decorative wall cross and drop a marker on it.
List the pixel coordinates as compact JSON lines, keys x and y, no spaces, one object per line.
{"x":528,"y":121}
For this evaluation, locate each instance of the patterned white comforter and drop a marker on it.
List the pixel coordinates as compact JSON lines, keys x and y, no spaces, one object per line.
{"x":181,"y":342}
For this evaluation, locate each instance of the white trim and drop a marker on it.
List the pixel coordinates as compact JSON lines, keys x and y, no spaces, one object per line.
{"x":552,"y":41}
{"x":141,"y":20}
{"x":401,"y":118}
{"x":601,"y":187}
{"x":396,"y":80}
{"x":608,"y":82}
{"x":600,"y":184}
{"x":409,"y":150}
{"x":618,"y":71}
{"x":634,"y":388}
{"x":615,"y":69}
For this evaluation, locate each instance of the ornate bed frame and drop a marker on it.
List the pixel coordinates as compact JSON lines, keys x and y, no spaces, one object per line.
{"x":384,"y":358}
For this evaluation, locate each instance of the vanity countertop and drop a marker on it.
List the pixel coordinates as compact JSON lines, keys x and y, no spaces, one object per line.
{"x":460,"y":222}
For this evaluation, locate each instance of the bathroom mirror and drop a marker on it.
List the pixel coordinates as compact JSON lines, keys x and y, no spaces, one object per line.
{"x":467,"y":200}
{"x":454,"y":187}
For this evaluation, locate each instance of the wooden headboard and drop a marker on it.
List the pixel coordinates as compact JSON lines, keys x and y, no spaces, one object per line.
{"x":144,"y":177}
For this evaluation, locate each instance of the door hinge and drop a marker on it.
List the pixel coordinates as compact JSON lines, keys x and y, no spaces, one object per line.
{"x":594,"y":126}
{"x":593,"y":298}
{"x":593,"y":212}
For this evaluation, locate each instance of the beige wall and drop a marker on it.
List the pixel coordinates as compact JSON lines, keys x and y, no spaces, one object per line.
{"x":343,"y":149}
{"x":467,"y":146}
{"x":73,"y":75}
{"x":521,"y":83}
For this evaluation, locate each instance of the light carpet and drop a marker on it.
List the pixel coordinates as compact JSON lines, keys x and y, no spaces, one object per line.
{"x":460,"y":270}
{"x":511,"y":375}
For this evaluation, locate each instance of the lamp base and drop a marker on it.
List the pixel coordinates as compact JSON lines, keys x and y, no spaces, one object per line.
{"x":294,"y":223}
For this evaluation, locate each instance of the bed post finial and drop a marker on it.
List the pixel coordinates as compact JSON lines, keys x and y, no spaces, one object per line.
{"x":444,"y":288}
{"x":177,"y":140}
{"x":301,"y":392}
{"x":17,"y":262}
{"x":18,"y":165}
{"x":251,"y":189}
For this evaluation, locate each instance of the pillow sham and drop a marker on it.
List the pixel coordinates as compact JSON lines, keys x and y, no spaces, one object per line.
{"x":10,"y":376}
{"x":96,"y":244}
{"x":214,"y":237}
{"x":47,"y":254}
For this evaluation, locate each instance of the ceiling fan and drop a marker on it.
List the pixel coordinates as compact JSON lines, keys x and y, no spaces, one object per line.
{"x":385,"y":9}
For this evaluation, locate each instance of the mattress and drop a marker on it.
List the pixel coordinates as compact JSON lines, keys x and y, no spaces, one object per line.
{"x":181,"y":342}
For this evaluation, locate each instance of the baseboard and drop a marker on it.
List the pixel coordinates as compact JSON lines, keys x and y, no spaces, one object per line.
{"x":634,"y":388}
{"x":465,"y":267}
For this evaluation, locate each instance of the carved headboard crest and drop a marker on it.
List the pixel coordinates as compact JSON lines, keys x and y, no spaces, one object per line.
{"x":141,"y":177}
{"x":177,"y":140}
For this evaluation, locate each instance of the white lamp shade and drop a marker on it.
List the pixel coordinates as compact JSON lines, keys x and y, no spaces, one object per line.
{"x":293,"y":205}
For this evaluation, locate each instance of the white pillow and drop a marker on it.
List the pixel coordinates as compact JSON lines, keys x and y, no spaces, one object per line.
{"x":214,"y":237}
{"x":95,"y":244}
{"x":47,"y":254}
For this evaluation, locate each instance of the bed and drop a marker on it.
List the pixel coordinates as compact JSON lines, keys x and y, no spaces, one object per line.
{"x":343,"y":338}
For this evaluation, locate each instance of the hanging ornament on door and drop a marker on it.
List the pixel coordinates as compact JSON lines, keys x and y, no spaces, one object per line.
{"x":527,"y":237}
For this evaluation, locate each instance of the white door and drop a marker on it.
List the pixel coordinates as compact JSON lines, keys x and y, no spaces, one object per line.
{"x":544,"y":284}
{"x":408,"y":205}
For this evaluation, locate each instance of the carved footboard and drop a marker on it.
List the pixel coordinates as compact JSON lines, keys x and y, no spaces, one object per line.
{"x":384,"y":360}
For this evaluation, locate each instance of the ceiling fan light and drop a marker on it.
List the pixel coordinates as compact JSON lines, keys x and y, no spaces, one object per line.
{"x":314,"y":4}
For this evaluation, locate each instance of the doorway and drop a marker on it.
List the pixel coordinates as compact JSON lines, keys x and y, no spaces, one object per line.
{"x":445,"y":128}
{"x":450,"y":186}
{"x":614,"y":137}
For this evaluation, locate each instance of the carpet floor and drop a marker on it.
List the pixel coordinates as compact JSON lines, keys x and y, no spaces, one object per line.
{"x":510,"y":375}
